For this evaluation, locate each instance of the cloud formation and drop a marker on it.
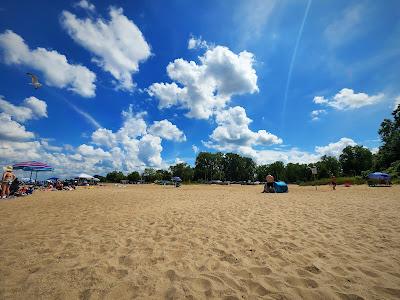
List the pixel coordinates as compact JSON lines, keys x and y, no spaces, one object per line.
{"x":209,"y":85}
{"x":86,"y":5}
{"x":117,"y":45}
{"x":11,"y":130}
{"x":396,"y":102}
{"x":166,"y":130}
{"x":233,"y":131}
{"x":346,"y":99}
{"x":53,"y":66}
{"x":31,"y":108}
{"x":335,"y":149}
{"x":315,"y":114}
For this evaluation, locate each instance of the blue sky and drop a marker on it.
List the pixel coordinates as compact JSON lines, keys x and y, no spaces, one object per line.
{"x":108,"y":100}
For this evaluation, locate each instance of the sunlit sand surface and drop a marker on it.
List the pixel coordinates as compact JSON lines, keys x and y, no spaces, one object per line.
{"x":196,"y":242}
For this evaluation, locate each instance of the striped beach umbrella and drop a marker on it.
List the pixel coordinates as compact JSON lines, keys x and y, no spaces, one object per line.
{"x":33,"y":166}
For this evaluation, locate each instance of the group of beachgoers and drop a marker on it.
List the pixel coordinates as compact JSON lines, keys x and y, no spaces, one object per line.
{"x":12,"y":187}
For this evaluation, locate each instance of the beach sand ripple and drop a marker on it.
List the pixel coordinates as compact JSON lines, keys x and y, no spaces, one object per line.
{"x":199,"y":242}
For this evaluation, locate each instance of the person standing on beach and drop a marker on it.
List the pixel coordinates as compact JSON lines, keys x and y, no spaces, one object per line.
{"x":333,"y":182}
{"x":7,"y":179}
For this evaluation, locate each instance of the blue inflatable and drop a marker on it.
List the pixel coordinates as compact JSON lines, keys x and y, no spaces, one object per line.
{"x":280,"y":187}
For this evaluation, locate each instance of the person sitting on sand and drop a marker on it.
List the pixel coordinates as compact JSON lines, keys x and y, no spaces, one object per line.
{"x":59,"y":186}
{"x":333,"y":182}
{"x":7,"y":179}
{"x":269,"y":186}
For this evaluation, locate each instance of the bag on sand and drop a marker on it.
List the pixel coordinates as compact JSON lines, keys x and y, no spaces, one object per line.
{"x":280,"y":187}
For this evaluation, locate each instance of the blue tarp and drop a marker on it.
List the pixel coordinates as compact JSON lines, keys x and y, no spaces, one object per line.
{"x":280,"y":187}
{"x":379,"y":176}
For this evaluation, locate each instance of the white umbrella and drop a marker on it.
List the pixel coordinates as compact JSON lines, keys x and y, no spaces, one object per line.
{"x":85,"y":176}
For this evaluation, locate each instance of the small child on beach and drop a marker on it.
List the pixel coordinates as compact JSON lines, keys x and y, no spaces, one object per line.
{"x":333,"y":182}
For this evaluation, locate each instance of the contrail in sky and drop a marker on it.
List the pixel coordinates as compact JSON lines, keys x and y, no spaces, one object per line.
{"x":289,"y":77}
{"x":84,"y":114}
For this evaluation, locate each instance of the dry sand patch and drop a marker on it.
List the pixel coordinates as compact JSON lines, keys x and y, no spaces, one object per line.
{"x":197,"y":242}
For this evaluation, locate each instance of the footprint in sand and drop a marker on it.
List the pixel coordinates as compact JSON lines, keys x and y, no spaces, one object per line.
{"x":302,"y":282}
{"x":255,"y":287}
{"x":388,"y":291}
{"x":125,"y":260}
{"x":349,"y":296}
{"x":171,"y":275}
{"x":260,"y":270}
{"x":313,"y":269}
{"x":201,"y":285}
{"x":369,"y":273}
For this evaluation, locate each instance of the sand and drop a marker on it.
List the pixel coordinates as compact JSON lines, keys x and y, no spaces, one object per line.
{"x":198,"y":242}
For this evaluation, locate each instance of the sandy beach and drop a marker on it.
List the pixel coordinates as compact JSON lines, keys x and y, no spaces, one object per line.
{"x":197,"y":242}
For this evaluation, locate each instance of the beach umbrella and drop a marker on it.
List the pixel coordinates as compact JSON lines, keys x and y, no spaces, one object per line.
{"x":379,"y":176}
{"x":33,"y":166}
{"x":85,"y":176}
{"x":177,"y":179}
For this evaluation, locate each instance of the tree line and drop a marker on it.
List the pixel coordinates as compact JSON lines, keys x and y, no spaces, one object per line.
{"x":353,"y":161}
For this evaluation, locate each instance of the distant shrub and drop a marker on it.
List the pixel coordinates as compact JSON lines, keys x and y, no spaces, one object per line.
{"x":339,"y":180}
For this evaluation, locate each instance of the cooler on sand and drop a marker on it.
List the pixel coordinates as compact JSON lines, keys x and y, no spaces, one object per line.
{"x":280,"y":187}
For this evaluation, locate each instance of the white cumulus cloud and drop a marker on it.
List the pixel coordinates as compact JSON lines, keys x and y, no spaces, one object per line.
{"x":11,"y":130}
{"x":233,"y":131}
{"x":53,"y":66}
{"x":136,"y":144}
{"x":195,"y":149}
{"x":166,"y":130}
{"x":31,"y":108}
{"x":335,"y":149}
{"x":346,"y":99}
{"x":208,"y":85}
{"x":315,"y":114}
{"x":197,"y":43}
{"x":117,"y":45}
{"x":85,"y":5}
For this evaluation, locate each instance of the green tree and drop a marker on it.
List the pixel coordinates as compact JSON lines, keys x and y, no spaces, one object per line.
{"x":389,"y":132}
{"x":295,"y":173}
{"x":115,"y":176}
{"x":163,"y":175}
{"x":101,"y":178}
{"x":277,"y":169}
{"x":248,"y":167}
{"x":209,"y":166}
{"x":182,"y":170}
{"x":149,"y":175}
{"x":261,"y":172}
{"x":328,"y":166}
{"x":232,"y":166}
{"x":134,"y":176}
{"x":355,"y":159}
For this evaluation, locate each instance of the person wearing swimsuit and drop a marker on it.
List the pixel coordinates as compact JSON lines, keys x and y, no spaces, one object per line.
{"x":269,"y":186}
{"x":7,"y":179}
